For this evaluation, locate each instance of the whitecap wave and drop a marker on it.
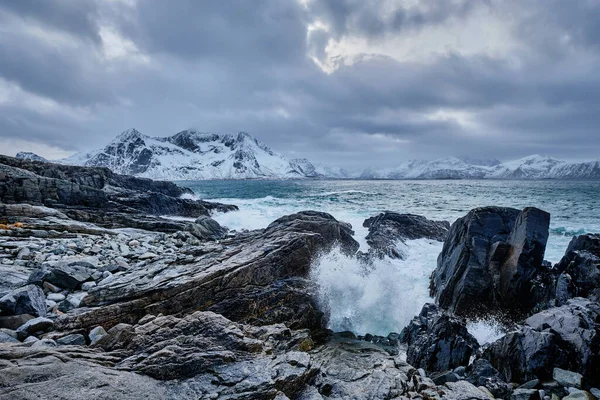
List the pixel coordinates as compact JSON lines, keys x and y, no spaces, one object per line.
{"x":379,"y":298}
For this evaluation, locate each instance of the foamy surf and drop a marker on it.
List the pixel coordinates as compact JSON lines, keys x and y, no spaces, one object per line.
{"x":378,"y":298}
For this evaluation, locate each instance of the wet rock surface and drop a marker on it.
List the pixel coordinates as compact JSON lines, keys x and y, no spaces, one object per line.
{"x":389,"y":228}
{"x":492,"y":262}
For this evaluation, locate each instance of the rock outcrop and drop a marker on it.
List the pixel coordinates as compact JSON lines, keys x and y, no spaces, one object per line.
{"x":437,"y":341}
{"x":389,"y":228}
{"x":579,"y":270}
{"x":567,"y":337}
{"x":95,"y":195}
{"x":492,"y":262}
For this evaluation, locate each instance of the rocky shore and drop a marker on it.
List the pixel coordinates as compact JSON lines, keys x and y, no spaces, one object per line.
{"x":104,"y":294}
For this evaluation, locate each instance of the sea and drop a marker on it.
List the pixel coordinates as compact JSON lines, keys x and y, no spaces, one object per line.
{"x":383,"y":298}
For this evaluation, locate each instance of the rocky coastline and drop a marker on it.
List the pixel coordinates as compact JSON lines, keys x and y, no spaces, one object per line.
{"x":106,"y":294}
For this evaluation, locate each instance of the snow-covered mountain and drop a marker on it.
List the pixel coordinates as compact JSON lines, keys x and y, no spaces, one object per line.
{"x":531,"y":167}
{"x":27,"y":155}
{"x":192,"y":155}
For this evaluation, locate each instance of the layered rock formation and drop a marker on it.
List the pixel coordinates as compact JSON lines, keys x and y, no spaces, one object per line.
{"x":492,"y":262}
{"x":389,"y":228}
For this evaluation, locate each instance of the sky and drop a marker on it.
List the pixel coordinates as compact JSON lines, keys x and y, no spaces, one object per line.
{"x":342,"y":82}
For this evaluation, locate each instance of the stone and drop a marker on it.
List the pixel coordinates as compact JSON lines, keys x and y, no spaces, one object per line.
{"x":68,"y":275}
{"x":14,"y":321}
{"x":463,"y":390}
{"x":525,"y":394}
{"x":595,"y":392}
{"x":437,"y":341}
{"x":442,"y":377}
{"x":87,"y":286}
{"x":26,"y":300}
{"x":206,"y":228}
{"x":481,"y":373}
{"x":6,"y":338}
{"x":579,"y":395}
{"x":568,"y":378}
{"x":388,"y":228}
{"x":72,"y":301}
{"x":580,"y":269}
{"x":96,"y":334}
{"x":492,"y":262}
{"x":532,"y":384}
{"x":57,"y":297}
{"x":74,"y":339}
{"x":34,"y":326}
{"x":147,"y":255}
{"x":566,"y":337}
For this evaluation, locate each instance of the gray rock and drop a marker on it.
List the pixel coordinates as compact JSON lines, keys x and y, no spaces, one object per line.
{"x":595,"y":392}
{"x":580,"y":269}
{"x":26,"y":300}
{"x":57,"y":297}
{"x":206,"y":228}
{"x":567,"y":337}
{"x":463,"y":390}
{"x":532,"y":384}
{"x":74,"y":339}
{"x":72,"y":301}
{"x":6,"y":338}
{"x":14,"y":321}
{"x":579,"y":395}
{"x":492,"y":261}
{"x":86,"y":286}
{"x":525,"y":394}
{"x":437,"y":341}
{"x":567,"y":378}
{"x":96,"y":334}
{"x":34,"y":326}
{"x":387,"y":228}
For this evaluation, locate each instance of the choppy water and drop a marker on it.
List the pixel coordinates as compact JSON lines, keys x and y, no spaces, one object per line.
{"x":386,"y":298}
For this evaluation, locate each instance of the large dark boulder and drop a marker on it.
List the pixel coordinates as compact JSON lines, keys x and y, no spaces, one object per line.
{"x":29,"y":299}
{"x":566,"y":337}
{"x":493,"y":262}
{"x":388,"y":228}
{"x":438,"y":341}
{"x":579,"y":270}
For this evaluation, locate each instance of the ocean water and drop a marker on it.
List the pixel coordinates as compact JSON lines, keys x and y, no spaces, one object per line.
{"x":384,"y":298}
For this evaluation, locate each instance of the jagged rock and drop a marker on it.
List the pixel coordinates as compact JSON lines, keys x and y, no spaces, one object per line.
{"x":81,"y":191}
{"x":525,"y":394}
{"x":463,"y":390}
{"x":579,"y":395}
{"x":482,"y":373}
{"x":96,"y":334}
{"x":259,"y":277}
{"x":68,"y":275}
{"x":34,"y":326}
{"x":14,"y":321}
{"x":74,"y":339}
{"x":389,"y":227}
{"x":580,"y":269}
{"x":6,"y":338}
{"x":26,"y":300}
{"x":437,"y":341}
{"x":206,"y":228}
{"x":566,"y":337}
{"x":567,"y":378}
{"x":493,"y":261}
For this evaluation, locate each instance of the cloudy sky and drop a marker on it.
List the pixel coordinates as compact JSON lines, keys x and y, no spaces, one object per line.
{"x":344,"y":82}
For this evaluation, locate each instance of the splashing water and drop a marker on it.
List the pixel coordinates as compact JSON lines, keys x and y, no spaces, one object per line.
{"x":379,"y":298}
{"x":386,"y":296}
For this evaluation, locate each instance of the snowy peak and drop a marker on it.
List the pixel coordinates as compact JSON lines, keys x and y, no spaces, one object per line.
{"x":28,"y":155}
{"x":193,"y":155}
{"x":530,"y":167}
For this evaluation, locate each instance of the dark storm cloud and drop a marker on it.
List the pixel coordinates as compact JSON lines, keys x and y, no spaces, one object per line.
{"x":246,"y":65}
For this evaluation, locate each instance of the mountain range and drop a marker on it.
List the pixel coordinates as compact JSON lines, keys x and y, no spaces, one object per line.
{"x":193,"y":155}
